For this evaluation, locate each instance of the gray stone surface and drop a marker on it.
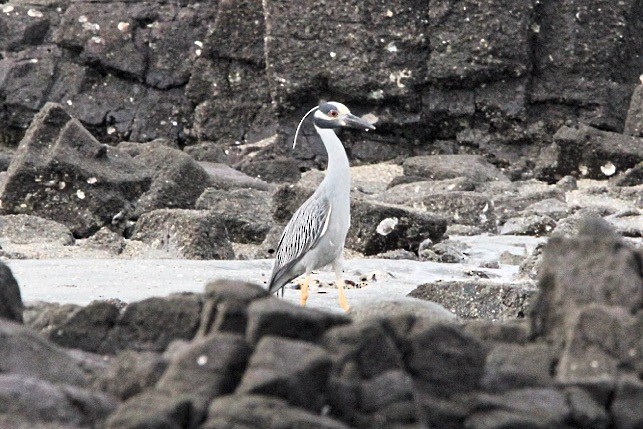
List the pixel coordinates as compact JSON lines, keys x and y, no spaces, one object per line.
{"x":11,"y":305}
{"x":183,"y":233}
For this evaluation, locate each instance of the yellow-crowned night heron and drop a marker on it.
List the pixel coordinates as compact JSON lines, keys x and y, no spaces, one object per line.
{"x":315,"y":235}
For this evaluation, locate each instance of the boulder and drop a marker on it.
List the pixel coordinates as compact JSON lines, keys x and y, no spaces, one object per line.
{"x":61,"y":172}
{"x":40,"y":400}
{"x":151,"y":324}
{"x":272,"y":316}
{"x":25,"y":353}
{"x":154,"y":409}
{"x":388,"y":67}
{"x":480,"y":298}
{"x":513,"y":366}
{"x":11,"y":306}
{"x":377,"y":228}
{"x":274,"y":171}
{"x":185,"y":234}
{"x":225,"y":306}
{"x":491,"y":47}
{"x":600,"y":342}
{"x":536,"y":408}
{"x":594,"y":267}
{"x":469,"y":209}
{"x":412,"y":194}
{"x":442,"y":167}
{"x":259,"y":411}
{"x":594,"y":153}
{"x":131,"y":372}
{"x":380,"y":308}
{"x":206,"y":151}
{"x":27,"y":229}
{"x":444,"y":359}
{"x":77,"y":327}
{"x":626,"y":407}
{"x":291,"y":369}
{"x":177,"y":180}
{"x":226,"y":178}
{"x":245,"y":212}
{"x":207,"y":368}
{"x":634,"y":119}
{"x":530,"y":224}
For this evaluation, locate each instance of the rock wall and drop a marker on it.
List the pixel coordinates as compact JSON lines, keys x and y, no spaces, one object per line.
{"x":501,"y":76}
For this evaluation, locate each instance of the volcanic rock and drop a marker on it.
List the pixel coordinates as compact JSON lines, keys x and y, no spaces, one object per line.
{"x":61,"y":172}
{"x":181,"y":233}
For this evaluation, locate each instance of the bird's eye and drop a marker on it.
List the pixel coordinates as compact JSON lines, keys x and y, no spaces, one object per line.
{"x":333,"y":113}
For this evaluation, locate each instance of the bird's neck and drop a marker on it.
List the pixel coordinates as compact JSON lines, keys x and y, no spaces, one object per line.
{"x":338,"y":169}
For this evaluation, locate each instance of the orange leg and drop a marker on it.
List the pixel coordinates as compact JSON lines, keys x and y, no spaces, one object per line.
{"x":304,"y":291}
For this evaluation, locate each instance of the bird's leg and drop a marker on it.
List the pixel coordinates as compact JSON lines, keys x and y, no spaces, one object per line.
{"x":339,"y":280}
{"x":304,"y":290}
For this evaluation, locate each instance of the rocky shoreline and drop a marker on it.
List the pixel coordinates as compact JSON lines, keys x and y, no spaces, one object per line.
{"x":157,"y":131}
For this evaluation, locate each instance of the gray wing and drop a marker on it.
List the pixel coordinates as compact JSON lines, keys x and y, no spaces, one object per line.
{"x":302,"y":233}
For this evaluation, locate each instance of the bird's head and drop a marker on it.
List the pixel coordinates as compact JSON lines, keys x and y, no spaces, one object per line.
{"x":334,"y":115}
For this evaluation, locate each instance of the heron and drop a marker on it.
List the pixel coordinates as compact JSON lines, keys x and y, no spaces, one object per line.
{"x":315,"y":235}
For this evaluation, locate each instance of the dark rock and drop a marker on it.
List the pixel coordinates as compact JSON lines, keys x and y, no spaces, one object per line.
{"x":154,"y":409}
{"x":256,"y":411}
{"x":485,"y":299}
{"x":153,"y":323}
{"x":596,"y":154}
{"x":447,"y":251}
{"x":600,"y":342}
{"x":586,"y":412}
{"x":594,"y":267}
{"x":286,"y":200}
{"x":233,"y":99}
{"x":41,"y":400}
{"x":26,"y":353}
{"x":26,"y":74}
{"x":512,"y":366}
{"x":365,"y":347}
{"x":291,"y":369}
{"x":177,"y":180}
{"x":19,"y":422}
{"x":11,"y":306}
{"x":277,"y":170}
{"x":130,"y":372}
{"x":630,"y":177}
{"x":521,"y":408}
{"x":246,"y":212}
{"x":226,"y":304}
{"x":206,"y":151}
{"x":83,"y":328}
{"x":492,"y":46}
{"x":510,"y":331}
{"x":513,"y":199}
{"x":552,"y":207}
{"x":530,"y":224}
{"x":185,"y":234}
{"x":445,"y":360}
{"x":268,"y":248}
{"x":207,"y":368}
{"x":626,"y":407}
{"x":412,"y":194}
{"x":376,"y":228}
{"x":401,"y":44}
{"x":134,"y":149}
{"x":22,"y":29}
{"x":61,"y":172}
{"x":405,"y":306}
{"x":441,"y":167}
{"x":224,"y":177}
{"x":26,"y":229}
{"x":634,"y":120}
{"x":272,"y":316}
{"x":463,"y":208}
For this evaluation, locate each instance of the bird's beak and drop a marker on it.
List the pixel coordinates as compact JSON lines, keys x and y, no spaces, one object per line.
{"x":353,"y":121}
